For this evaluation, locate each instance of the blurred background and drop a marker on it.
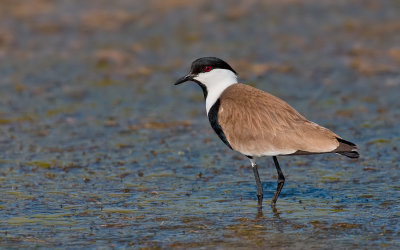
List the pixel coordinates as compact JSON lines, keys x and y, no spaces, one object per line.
{"x":99,"y":149}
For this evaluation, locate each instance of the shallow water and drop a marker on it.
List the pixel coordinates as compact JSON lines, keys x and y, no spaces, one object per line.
{"x":99,"y":149}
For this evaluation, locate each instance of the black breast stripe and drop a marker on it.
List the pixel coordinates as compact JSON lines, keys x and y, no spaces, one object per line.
{"x":204,"y":88}
{"x":213,"y":118}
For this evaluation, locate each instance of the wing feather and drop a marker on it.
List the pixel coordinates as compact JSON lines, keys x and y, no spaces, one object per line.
{"x":258,"y":123}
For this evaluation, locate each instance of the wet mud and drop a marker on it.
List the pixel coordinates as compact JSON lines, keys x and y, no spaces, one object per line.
{"x":99,"y":149}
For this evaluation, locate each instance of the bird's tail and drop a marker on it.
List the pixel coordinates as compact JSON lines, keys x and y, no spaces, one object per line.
{"x":347,"y":148}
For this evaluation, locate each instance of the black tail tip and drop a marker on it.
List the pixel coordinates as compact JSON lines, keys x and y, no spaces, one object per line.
{"x":346,"y":142}
{"x":350,"y":154}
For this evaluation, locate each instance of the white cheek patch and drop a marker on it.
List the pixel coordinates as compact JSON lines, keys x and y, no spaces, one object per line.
{"x":216,"y":81}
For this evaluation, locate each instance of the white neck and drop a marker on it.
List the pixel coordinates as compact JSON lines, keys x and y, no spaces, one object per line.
{"x":216,"y":82}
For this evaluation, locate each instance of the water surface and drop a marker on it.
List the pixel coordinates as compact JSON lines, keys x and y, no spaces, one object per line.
{"x":99,"y":149}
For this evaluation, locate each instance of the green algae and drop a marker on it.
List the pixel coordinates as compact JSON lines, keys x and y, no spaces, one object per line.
{"x":42,"y":164}
{"x":5,"y":121}
{"x":20,"y":195}
{"x":106,"y":82}
{"x":68,"y":109}
{"x":52,"y":216}
{"x":379,"y":141}
{"x":119,"y":210}
{"x":22,"y":220}
{"x":45,"y":221}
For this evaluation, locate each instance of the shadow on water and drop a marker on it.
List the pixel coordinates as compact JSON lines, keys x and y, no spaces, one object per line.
{"x":289,"y":191}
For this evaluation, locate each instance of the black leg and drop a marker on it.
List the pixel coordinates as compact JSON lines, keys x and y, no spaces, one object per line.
{"x":281,"y":180}
{"x":258,"y":183}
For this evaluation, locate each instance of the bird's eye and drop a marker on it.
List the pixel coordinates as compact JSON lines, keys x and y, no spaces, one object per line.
{"x":207,"y":68}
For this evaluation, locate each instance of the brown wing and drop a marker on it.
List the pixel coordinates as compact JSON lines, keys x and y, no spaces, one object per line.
{"x":257,"y":123}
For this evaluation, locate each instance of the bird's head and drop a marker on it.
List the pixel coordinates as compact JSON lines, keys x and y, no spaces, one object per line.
{"x":211,"y":73}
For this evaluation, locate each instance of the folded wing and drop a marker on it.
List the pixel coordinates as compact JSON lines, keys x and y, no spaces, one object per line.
{"x":257,"y":123}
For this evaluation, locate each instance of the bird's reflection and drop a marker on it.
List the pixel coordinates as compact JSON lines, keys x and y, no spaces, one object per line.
{"x":260,"y":213}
